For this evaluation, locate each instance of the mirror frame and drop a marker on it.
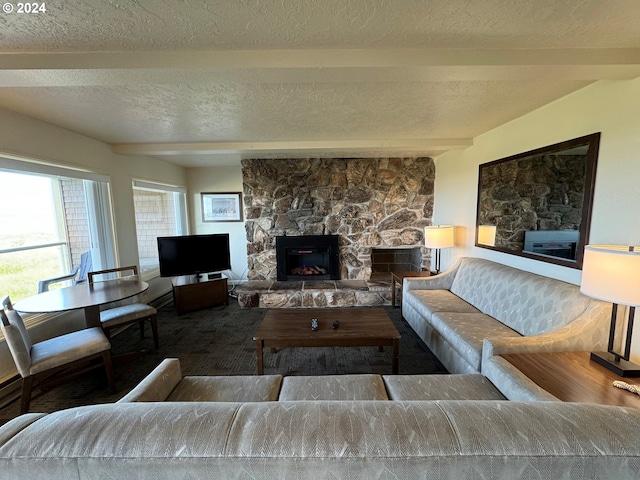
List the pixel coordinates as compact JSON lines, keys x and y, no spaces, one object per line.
{"x":593,"y":142}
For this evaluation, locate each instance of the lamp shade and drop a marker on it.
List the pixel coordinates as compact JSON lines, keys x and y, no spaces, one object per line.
{"x":611,"y":273}
{"x":438,"y":236}
{"x":487,"y":235}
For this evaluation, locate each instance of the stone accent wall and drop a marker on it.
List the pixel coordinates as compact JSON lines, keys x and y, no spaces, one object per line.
{"x":372,"y":202}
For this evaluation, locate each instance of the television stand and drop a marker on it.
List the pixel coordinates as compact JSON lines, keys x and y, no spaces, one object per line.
{"x":193,"y":293}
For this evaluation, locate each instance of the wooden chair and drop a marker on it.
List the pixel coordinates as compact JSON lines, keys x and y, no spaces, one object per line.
{"x":78,"y":274}
{"x":124,"y":315}
{"x":64,"y":352}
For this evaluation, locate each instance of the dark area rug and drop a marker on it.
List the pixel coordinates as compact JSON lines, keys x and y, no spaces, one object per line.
{"x":219,"y":341}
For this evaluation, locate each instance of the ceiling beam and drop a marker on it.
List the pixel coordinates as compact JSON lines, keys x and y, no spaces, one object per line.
{"x":328,"y":58}
{"x":313,"y":66}
{"x":111,"y":78}
{"x":207,"y":148}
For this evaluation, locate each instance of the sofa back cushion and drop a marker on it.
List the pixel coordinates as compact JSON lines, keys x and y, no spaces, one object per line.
{"x":528,"y":303}
{"x":417,"y":439}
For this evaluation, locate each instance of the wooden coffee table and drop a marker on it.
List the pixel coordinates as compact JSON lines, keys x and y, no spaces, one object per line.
{"x":359,"y":327}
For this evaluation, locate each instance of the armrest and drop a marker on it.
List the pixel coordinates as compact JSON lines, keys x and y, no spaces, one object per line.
{"x":512,"y":383}
{"x":443,"y":281}
{"x":158,"y":385}
{"x":590,"y":331}
{"x":43,"y":285}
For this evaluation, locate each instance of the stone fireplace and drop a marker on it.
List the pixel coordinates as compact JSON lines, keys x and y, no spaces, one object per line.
{"x":381,"y":203}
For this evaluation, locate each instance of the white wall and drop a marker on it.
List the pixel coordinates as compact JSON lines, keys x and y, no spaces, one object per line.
{"x":610,"y":107}
{"x":26,"y":137}
{"x":222,"y":180}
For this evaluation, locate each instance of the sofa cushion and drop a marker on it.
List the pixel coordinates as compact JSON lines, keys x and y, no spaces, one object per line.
{"x":262,"y":388}
{"x":440,"y":387}
{"x":528,"y":303}
{"x":465,"y":332}
{"x":333,"y":387}
{"x":429,"y":301}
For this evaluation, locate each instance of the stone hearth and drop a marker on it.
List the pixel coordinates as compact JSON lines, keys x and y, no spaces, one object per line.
{"x":314,"y":294}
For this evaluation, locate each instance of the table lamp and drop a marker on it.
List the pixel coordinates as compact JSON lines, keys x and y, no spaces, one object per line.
{"x":612,"y":273}
{"x":437,"y":237}
{"x":487,"y":235}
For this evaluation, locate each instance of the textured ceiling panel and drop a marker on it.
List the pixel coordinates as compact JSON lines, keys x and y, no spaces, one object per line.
{"x":221,"y":80}
{"x":85,"y":25}
{"x":279,"y":112}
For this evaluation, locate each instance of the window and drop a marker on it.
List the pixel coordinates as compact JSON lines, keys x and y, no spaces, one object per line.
{"x":160,"y":212}
{"x":50,"y":217}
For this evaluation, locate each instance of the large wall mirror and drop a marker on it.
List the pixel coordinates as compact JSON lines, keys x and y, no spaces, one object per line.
{"x":537,"y":204}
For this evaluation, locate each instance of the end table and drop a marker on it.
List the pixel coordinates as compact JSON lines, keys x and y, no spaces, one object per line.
{"x":573,"y":377}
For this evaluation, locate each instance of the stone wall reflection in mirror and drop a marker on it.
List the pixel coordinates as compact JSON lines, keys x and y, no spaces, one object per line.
{"x":540,"y":201}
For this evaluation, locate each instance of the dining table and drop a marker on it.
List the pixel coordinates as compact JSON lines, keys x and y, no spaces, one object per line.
{"x":85,"y":296}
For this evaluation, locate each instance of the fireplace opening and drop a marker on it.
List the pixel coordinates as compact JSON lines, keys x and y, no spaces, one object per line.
{"x":307,"y":257}
{"x":386,"y":260}
{"x":312,"y":261}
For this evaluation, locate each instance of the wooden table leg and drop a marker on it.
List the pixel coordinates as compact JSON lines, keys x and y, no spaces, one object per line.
{"x":395,"y":360}
{"x":259,"y":359}
{"x":92,"y":316}
{"x":393,"y":291}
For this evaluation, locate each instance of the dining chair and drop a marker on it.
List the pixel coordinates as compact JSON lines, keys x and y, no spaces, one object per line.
{"x":54,"y":355}
{"x":128,"y":313}
{"x":78,"y":274}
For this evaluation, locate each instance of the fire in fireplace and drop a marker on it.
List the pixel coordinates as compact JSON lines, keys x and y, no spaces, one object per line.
{"x":307,"y":257}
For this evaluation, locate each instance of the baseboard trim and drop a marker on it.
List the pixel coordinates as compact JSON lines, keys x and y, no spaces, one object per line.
{"x":162,"y":300}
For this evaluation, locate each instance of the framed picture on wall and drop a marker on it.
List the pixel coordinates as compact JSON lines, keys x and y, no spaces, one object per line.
{"x":221,"y":207}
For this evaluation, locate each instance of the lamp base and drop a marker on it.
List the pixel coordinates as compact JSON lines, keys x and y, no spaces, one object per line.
{"x":622,"y":368}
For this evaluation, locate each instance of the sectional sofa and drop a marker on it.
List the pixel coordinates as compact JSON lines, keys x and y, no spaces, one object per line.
{"x":352,"y":426}
{"x":363,"y":426}
{"x":480,"y":309}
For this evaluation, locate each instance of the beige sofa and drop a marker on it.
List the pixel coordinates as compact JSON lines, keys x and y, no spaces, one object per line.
{"x":480,"y":309}
{"x":382,"y":427}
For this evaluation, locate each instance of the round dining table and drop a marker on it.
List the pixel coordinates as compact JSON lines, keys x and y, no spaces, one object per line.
{"x":84,"y":296}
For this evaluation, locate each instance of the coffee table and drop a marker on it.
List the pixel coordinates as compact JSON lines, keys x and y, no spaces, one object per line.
{"x":359,"y":327}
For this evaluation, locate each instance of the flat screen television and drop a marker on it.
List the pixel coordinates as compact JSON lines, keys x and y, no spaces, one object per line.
{"x":193,"y":254}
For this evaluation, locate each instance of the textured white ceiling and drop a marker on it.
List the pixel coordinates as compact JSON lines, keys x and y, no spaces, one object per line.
{"x":245,"y":78}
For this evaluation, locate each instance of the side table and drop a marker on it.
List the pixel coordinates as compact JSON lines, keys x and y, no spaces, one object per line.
{"x":191,"y":293}
{"x":398,"y":277}
{"x":573,"y":377}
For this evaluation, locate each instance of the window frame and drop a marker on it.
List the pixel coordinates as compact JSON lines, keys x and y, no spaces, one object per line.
{"x":180,"y":216}
{"x":104,"y":256}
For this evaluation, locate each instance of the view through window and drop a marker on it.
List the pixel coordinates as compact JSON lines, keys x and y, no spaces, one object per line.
{"x":46,"y":229}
